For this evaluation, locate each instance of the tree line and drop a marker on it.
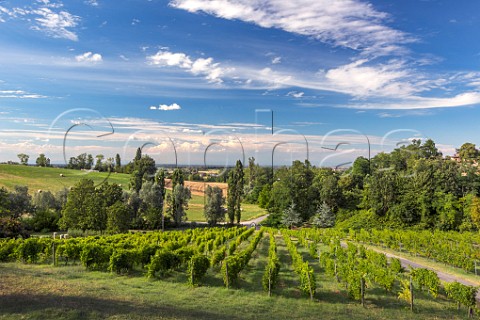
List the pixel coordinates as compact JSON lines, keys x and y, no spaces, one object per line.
{"x":412,"y":186}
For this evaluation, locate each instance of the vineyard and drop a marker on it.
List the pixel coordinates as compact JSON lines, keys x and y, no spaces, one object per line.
{"x":309,"y":265}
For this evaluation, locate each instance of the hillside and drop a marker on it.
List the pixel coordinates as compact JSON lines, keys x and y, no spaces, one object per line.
{"x":53,"y":179}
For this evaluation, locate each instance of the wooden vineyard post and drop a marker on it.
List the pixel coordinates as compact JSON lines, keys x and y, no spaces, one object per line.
{"x":362,"y":290}
{"x":411,"y":293}
{"x":335,"y":270}
{"x":53,"y":254}
{"x":192,"y":262}
{"x":310,"y":285}
{"x":270,"y":282}
{"x":226,"y":272}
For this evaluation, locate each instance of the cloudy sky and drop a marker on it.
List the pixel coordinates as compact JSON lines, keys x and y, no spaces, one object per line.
{"x":199,"y":81}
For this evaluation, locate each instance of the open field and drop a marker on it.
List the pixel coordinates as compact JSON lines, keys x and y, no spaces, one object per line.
{"x":195,"y":210}
{"x":37,"y":178}
{"x":45,"y":292}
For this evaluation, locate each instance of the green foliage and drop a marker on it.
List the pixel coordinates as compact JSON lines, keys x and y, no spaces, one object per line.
{"x":178,"y":203}
{"x":42,"y":161}
{"x":7,"y":250}
{"x":324,"y":217}
{"x":118,"y":218}
{"x":95,"y":256}
{"x":307,"y":280}
{"x":234,"y":264}
{"x":291,"y":217}
{"x":396,"y":266}
{"x":144,"y":169}
{"x":151,"y":195}
{"x":272,"y":269}
{"x":197,"y":268}
{"x":213,"y":210}
{"x":462,"y":294}
{"x":235,"y":193}
{"x":29,"y":250}
{"x":85,"y":208}
{"x":304,"y":271}
{"x":161,"y":262}
{"x":428,"y":279}
{"x":404,"y":293}
{"x":122,"y":261}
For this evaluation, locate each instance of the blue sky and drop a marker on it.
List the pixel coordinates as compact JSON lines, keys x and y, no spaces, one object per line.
{"x":199,"y":75}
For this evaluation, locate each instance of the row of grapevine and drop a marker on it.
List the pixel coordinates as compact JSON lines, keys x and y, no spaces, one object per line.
{"x":358,"y":267}
{"x":451,"y":248}
{"x":117,"y":253}
{"x":270,"y":276}
{"x":234,"y":264}
{"x":304,"y":271}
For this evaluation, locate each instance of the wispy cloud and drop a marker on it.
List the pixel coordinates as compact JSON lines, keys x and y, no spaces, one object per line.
{"x":93,"y":3}
{"x":89,"y":57}
{"x":201,"y":66}
{"x":20,"y":94}
{"x":415,"y":102}
{"x":56,"y":24}
{"x":349,"y":23}
{"x":277,"y":60}
{"x":295,"y":94}
{"x":45,"y":16}
{"x":362,"y":80}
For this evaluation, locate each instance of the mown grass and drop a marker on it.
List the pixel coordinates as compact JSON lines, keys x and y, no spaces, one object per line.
{"x":195,"y":210}
{"x":47,"y":292}
{"x":38,"y":178}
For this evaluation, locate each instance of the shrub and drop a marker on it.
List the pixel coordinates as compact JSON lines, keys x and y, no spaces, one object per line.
{"x":95,"y":257}
{"x":122,"y":261}
{"x":197,"y":268}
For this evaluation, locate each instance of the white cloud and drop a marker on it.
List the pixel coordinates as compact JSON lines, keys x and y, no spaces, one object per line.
{"x":20,"y":94}
{"x":93,"y":3}
{"x":295,"y":94}
{"x":89,"y":57}
{"x":349,"y":23}
{"x":276,"y":60}
{"x":361,"y":80}
{"x":166,"y":107}
{"x":201,"y":66}
{"x":56,"y":24}
{"x":415,"y":102}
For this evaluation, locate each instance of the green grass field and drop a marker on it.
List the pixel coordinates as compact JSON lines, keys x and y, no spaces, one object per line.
{"x":49,"y":178}
{"x":47,"y":292}
{"x":37,"y":178}
{"x":195,"y":210}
